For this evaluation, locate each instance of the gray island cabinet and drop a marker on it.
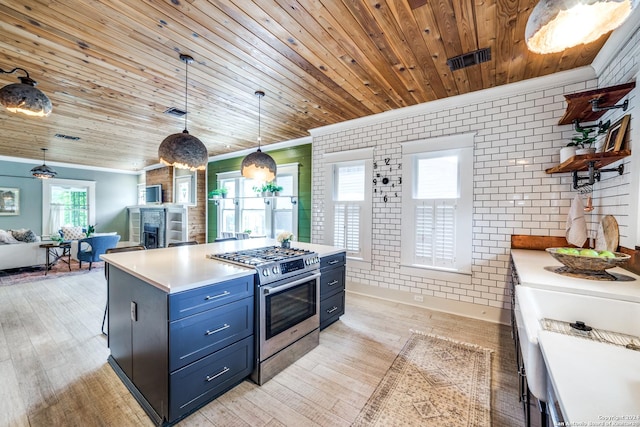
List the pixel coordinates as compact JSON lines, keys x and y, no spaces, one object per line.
{"x":181,"y":325}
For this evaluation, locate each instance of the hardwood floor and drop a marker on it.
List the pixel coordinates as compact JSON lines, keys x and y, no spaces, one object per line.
{"x":53,"y":369}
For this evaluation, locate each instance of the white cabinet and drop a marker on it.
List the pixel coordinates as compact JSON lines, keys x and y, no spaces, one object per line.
{"x":134,"y":225}
{"x":177,"y":224}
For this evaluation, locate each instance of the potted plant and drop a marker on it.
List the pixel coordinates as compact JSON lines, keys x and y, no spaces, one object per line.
{"x":276,"y":190}
{"x":266,"y":190}
{"x":585,"y":139}
{"x":215,"y":194}
{"x":285,"y":239}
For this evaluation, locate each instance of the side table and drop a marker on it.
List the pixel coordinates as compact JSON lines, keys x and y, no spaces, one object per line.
{"x":53,"y":255}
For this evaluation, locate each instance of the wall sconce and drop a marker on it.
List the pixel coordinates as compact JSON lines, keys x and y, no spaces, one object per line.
{"x":556,"y":25}
{"x":23,"y":97}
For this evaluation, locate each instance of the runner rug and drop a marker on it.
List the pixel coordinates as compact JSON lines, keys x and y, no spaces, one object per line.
{"x":434,"y":381}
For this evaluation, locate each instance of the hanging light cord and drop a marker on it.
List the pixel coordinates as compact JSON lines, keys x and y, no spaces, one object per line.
{"x":259,"y":121}
{"x":186,"y":92}
{"x":14,"y":70}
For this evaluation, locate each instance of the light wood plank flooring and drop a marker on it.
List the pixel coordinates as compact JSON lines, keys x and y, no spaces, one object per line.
{"x":53,"y":369}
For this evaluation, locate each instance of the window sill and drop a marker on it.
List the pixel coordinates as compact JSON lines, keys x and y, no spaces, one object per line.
{"x":359,"y":263}
{"x":436,"y":273}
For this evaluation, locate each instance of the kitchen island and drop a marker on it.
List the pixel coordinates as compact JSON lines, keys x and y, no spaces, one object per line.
{"x":182,"y":326}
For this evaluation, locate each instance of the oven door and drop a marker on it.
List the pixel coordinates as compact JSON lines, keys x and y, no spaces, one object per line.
{"x":289,"y":310}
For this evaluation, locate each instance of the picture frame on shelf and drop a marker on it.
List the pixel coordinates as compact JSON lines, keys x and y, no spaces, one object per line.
{"x":616,"y":135}
{"x":9,"y":201}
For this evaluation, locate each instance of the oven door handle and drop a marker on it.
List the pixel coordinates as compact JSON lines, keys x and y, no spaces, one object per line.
{"x":269,"y":290}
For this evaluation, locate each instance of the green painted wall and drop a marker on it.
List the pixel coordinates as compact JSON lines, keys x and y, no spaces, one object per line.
{"x":114,"y":191}
{"x":300,"y":154}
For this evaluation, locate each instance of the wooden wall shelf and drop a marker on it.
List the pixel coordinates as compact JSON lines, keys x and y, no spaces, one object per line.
{"x":579,"y":107}
{"x":581,"y":163}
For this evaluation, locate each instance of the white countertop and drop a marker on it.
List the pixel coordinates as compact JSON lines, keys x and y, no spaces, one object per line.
{"x":531,"y":270}
{"x":595,"y":383}
{"x":182,"y":268}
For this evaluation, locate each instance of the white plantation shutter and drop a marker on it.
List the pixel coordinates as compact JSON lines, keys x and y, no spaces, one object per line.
{"x":435,"y":222}
{"x":346,"y":231}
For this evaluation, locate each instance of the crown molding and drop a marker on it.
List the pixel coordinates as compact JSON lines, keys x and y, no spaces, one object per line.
{"x":69,"y":165}
{"x":540,"y":83}
{"x":271,"y":147}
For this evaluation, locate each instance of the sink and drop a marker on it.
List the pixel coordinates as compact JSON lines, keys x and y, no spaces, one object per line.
{"x":533,"y":304}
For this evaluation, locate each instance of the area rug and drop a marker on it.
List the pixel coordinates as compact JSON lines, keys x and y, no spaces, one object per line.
{"x":16,"y":276}
{"x":434,"y":381}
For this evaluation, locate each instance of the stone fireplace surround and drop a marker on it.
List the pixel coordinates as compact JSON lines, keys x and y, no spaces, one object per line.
{"x":153,"y":218}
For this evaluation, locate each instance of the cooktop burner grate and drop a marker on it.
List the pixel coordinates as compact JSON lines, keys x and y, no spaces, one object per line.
{"x":259,"y":256}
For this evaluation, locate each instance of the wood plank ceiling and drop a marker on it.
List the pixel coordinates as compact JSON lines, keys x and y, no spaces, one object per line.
{"x":111,"y":67}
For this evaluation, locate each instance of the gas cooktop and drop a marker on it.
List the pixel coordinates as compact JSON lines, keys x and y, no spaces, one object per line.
{"x":259,"y":256}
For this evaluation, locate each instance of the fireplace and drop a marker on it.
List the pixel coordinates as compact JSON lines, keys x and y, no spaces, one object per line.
{"x":150,"y":236}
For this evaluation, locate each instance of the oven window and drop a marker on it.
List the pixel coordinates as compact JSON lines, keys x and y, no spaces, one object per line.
{"x":290,"y":307}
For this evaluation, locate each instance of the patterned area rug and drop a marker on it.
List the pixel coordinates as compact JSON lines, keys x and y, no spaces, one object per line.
{"x":15,"y":276}
{"x":434,"y":381}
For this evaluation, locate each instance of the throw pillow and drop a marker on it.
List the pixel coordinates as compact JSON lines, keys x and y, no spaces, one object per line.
{"x":24,"y":235}
{"x":7,"y":237}
{"x":72,"y":233}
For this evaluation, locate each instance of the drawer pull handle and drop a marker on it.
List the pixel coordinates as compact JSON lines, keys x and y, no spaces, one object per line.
{"x":331,"y":310}
{"x":334,"y":261}
{"x":224,"y":371}
{"x":222,"y":328}
{"x":335,"y":282}
{"x":224,"y":294}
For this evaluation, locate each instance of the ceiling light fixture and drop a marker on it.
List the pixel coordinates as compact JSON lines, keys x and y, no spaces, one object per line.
{"x":43,"y":171}
{"x":181,"y":150}
{"x":259,"y":166}
{"x":556,"y":25}
{"x":23,"y":97}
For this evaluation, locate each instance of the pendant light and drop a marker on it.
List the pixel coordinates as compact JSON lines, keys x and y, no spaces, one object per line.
{"x":43,"y":171}
{"x":556,"y":25}
{"x":181,"y":150}
{"x":23,"y":97}
{"x":259,"y":166}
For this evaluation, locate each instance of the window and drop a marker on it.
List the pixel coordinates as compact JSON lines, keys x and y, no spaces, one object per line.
{"x":242,"y":209}
{"x":437,"y":203}
{"x":349,"y":202}
{"x":67,"y":202}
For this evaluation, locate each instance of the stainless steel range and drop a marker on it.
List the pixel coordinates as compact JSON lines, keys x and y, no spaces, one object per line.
{"x":287,"y":304}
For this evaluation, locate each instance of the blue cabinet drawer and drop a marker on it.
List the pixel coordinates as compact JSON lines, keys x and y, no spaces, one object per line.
{"x":331,"y":309}
{"x":336,"y":260}
{"x":206,"y":379}
{"x":197,"y":300}
{"x":331,"y":282}
{"x":193,"y":337}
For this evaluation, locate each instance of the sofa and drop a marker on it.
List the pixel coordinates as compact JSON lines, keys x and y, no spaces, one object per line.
{"x":15,"y":253}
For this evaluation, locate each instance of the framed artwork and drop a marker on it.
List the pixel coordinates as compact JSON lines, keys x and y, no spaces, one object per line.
{"x":616,"y":135}
{"x":9,"y":201}
{"x":184,"y":187}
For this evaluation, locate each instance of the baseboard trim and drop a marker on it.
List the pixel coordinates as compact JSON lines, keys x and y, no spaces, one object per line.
{"x":474,"y":311}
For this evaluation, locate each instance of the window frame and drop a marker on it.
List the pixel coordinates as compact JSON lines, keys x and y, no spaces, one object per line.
{"x":460,"y":145}
{"x":362,"y":156}
{"x":57,"y":182}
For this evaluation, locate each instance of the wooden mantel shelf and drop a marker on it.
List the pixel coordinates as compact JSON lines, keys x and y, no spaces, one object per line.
{"x":581,"y":163}
{"x":579,"y":107}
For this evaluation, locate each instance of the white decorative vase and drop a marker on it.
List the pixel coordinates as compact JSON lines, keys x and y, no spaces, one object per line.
{"x":566,"y":153}
{"x":582,"y":151}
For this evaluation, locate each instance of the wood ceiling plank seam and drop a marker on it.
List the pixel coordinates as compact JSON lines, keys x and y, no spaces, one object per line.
{"x":277,"y":34}
{"x":444,"y":15}
{"x":407,"y":23}
{"x":433,"y":40}
{"x":340,"y":52}
{"x":292,"y":56}
{"x":506,"y":14}
{"x":381,"y":31}
{"x":465,"y":18}
{"x":520,"y":51}
{"x":486,"y":28}
{"x":250,"y":44}
{"x":361,"y":50}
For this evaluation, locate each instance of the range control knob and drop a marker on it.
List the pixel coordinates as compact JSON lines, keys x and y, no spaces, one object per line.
{"x":265,"y":272}
{"x":275,"y":269}
{"x":307,"y":261}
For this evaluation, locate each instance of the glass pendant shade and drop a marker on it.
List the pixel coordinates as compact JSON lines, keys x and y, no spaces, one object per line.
{"x":259,"y":166}
{"x":24,"y":97}
{"x":43,"y":171}
{"x":183,"y":151}
{"x":556,"y":25}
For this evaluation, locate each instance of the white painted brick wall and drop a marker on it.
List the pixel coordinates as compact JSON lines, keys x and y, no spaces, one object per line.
{"x":517,"y":139}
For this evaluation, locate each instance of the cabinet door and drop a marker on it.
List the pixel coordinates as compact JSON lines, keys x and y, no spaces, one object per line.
{"x":331,"y":261}
{"x":196,"y":336}
{"x":331,"y":309}
{"x":331,"y":282}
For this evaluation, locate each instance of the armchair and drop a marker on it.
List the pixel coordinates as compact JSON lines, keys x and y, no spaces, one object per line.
{"x":98,"y":245}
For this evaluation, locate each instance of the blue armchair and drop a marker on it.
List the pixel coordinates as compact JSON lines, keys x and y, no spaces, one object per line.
{"x":98,"y":245}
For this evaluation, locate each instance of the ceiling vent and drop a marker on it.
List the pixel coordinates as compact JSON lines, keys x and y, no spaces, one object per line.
{"x":468,"y":59}
{"x":72,"y":138}
{"x":176,"y":112}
